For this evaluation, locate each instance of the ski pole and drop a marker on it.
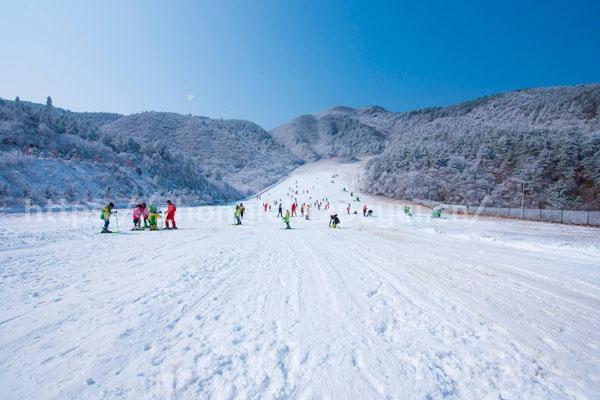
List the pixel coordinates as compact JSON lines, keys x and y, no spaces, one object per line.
{"x":117,"y":220}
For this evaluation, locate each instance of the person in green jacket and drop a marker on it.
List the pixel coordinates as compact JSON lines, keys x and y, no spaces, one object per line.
{"x":105,"y":216}
{"x":286,"y":220}
{"x":153,"y":218}
{"x":238,"y":215}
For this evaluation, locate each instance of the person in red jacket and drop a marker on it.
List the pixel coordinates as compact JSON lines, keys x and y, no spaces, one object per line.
{"x":294,"y":205}
{"x":170,"y":215}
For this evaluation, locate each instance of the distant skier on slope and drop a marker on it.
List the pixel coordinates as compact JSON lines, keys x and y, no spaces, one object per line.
{"x":237,"y":214}
{"x":286,"y":219}
{"x":365,"y":210}
{"x":334,"y":221}
{"x":294,"y":206}
{"x":280,"y":211}
{"x":105,"y":216}
{"x":242,"y":209}
{"x":348,"y":208}
{"x":170,"y":215}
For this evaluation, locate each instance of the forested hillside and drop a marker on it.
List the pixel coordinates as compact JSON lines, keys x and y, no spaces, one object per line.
{"x":53,"y":156}
{"x":478,"y":152}
{"x":237,"y":152}
{"x":482,"y":151}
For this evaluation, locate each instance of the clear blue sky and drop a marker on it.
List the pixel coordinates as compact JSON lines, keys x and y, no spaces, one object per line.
{"x":270,"y":61}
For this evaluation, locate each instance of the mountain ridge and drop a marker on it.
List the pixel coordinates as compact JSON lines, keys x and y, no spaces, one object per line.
{"x":472,"y":152}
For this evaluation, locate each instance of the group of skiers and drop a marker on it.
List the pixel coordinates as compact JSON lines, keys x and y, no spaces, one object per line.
{"x":150,"y":215}
{"x":141,"y":212}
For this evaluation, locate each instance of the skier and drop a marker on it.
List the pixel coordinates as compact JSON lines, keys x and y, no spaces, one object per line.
{"x":105,"y":216}
{"x":365,"y":210}
{"x":137,"y":217}
{"x":280,"y":211}
{"x":294,"y":205}
{"x":237,"y":215}
{"x":242,"y":209}
{"x":334,"y":221}
{"x":302,"y":210}
{"x":170,"y":215}
{"x":286,"y":219}
{"x":348,"y":208}
{"x":145,"y":214}
{"x":153,"y":218}
{"x":437,"y":212}
{"x":265,"y":205}
{"x":306,"y":212}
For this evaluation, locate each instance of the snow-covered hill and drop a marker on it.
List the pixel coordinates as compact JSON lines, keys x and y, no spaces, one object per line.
{"x":238,"y":152}
{"x":335,"y":133}
{"x":470,"y":153}
{"x":386,"y":307}
{"x":53,"y":156}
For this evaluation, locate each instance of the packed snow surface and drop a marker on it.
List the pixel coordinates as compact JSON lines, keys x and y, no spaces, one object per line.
{"x":387,"y":306}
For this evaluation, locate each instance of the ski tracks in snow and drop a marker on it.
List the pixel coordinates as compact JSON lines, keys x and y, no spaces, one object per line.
{"x":368,"y":311}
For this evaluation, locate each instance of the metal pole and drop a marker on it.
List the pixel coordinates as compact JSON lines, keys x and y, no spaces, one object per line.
{"x":523,"y":201}
{"x":588,"y":217}
{"x":561,"y":216}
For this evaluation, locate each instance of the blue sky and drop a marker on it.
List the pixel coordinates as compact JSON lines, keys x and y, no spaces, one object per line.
{"x":270,"y":61}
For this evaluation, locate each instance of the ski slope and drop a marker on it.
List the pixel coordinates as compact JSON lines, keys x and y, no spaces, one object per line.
{"x":385,"y":307}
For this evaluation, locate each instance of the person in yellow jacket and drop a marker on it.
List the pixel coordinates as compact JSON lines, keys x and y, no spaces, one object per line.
{"x":237,"y":215}
{"x":286,"y":220}
{"x":153,"y":218}
{"x":105,"y":216}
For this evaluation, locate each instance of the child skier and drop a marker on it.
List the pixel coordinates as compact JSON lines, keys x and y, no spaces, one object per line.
{"x":105,"y":216}
{"x":145,"y":214}
{"x":170,"y":215}
{"x":153,"y":218}
{"x":286,"y":219}
{"x":137,"y":217}
{"x":334,"y":221}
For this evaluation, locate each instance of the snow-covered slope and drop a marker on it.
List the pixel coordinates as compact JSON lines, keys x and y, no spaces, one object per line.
{"x":239,"y":152}
{"x":385,"y":307}
{"x":470,"y":153}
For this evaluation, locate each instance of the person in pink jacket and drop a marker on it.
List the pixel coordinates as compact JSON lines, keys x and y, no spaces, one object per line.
{"x":145,"y":214}
{"x":137,"y":217}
